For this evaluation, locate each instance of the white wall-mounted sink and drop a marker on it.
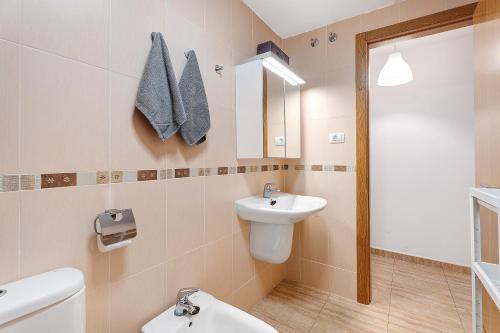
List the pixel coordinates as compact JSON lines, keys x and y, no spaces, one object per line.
{"x":214,"y":317}
{"x":289,"y":208}
{"x":271,"y":222}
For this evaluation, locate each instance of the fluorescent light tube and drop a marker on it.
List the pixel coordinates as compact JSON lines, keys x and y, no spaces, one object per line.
{"x":281,"y":70}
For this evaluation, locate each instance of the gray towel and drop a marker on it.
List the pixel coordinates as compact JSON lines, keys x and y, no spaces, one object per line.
{"x":195,"y":128}
{"x":159,"y":98}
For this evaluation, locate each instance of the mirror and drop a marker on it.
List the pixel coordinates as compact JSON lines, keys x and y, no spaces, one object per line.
{"x":267,"y":113}
{"x":274,"y":115}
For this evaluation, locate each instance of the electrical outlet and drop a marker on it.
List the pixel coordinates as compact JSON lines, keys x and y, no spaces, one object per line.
{"x":279,"y":141}
{"x":336,"y":138}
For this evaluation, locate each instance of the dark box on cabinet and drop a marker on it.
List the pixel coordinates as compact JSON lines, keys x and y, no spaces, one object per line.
{"x":270,"y":46}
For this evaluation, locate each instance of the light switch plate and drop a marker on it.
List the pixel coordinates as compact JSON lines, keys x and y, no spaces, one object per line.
{"x":336,"y":138}
{"x":279,"y":141}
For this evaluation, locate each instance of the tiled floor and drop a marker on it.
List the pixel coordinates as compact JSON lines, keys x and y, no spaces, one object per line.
{"x":407,"y":297}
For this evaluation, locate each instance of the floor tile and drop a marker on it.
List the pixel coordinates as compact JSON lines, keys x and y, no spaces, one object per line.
{"x":293,"y":305}
{"x":382,"y":270}
{"x":466,"y":318}
{"x":341,"y":314}
{"x":406,"y":297}
{"x":281,"y":327}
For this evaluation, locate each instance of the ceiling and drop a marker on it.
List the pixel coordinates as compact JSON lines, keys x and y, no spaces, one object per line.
{"x":288,"y":18}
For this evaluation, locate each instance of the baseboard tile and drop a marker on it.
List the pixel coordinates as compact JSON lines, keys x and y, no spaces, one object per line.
{"x":419,"y":260}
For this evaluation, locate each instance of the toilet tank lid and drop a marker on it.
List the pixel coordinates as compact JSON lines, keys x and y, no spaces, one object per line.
{"x":37,"y":292}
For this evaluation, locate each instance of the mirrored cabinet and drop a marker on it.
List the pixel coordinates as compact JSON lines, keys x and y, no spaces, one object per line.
{"x":267,"y":109}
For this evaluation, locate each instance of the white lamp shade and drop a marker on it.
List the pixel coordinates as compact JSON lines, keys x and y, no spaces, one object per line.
{"x":395,"y":72}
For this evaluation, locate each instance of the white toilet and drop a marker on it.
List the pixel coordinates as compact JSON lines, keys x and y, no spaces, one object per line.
{"x":52,"y":302}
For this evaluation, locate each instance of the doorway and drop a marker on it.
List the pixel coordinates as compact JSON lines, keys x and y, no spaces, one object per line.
{"x":424,"y":26}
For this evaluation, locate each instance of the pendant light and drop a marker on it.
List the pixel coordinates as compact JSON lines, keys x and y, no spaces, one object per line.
{"x":395,"y":72}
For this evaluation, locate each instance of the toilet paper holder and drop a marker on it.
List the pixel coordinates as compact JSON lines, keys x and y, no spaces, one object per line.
{"x":115,"y":228}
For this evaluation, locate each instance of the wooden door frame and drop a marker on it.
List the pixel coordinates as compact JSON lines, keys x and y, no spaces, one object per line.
{"x":426,"y":25}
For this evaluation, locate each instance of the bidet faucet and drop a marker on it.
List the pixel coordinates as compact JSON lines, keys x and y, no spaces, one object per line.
{"x":269,"y":189}
{"x":184,"y":306}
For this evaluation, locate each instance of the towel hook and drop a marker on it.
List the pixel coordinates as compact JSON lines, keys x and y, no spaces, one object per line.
{"x":219,"y":69}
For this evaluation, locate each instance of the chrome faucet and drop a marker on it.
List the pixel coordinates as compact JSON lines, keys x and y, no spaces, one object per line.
{"x":184,"y":306}
{"x":269,"y":189}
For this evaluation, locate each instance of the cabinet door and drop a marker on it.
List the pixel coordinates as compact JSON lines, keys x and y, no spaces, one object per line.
{"x":249,"y":105}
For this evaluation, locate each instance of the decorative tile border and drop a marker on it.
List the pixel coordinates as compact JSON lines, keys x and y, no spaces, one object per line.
{"x":27,"y":182}
{"x":51,"y":180}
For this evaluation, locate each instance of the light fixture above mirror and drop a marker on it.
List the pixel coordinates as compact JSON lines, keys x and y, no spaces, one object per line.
{"x":275,"y":65}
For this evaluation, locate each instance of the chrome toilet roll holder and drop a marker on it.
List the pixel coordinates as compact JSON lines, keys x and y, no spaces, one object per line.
{"x":115,"y":228}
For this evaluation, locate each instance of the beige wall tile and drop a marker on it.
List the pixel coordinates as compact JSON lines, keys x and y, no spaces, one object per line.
{"x":342,"y":245}
{"x":264,"y":282}
{"x":219,"y":267}
{"x":274,"y":177}
{"x":246,"y":296}
{"x":317,"y":148}
{"x":131,"y":134}
{"x":262,"y":267}
{"x":181,"y":155}
{"x":313,"y":98}
{"x":218,"y":19}
{"x":345,"y":153}
{"x":219,"y":89}
{"x":74,"y":29}
{"x":295,"y":182}
{"x":278,"y":273}
{"x":219,"y":206}
{"x":185,"y":271}
{"x":57,"y":231}
{"x":343,"y":282}
{"x":80,"y":70}
{"x":130,"y":26}
{"x":241,"y":27}
{"x":263,"y":33}
{"x":306,"y":60}
{"x":137,"y":299}
{"x":243,"y":263}
{"x":9,"y":104}
{"x":316,"y":275}
{"x":192,"y":10}
{"x":340,"y":53}
{"x":315,"y":239}
{"x":221,"y":142}
{"x":342,"y":197}
{"x":97,"y":307}
{"x":411,"y":9}
{"x":293,"y":269}
{"x":458,"y":3}
{"x":10,"y":20}
{"x":185,"y":219}
{"x":9,"y":237}
{"x":380,"y":18}
{"x":149,"y":247}
{"x":58,"y":139}
{"x":244,"y":185}
{"x":296,"y":242}
{"x":340,"y":90}
{"x":316,"y":184}
{"x":182,"y":35}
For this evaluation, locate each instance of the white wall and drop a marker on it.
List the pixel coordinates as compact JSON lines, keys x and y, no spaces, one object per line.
{"x":422,"y":149}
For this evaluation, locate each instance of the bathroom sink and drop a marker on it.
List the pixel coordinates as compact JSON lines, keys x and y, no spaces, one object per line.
{"x":214,"y":317}
{"x":271,"y":222}
{"x":282,"y":208}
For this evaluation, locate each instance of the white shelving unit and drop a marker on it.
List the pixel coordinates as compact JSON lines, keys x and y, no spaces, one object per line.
{"x":483,"y":273}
